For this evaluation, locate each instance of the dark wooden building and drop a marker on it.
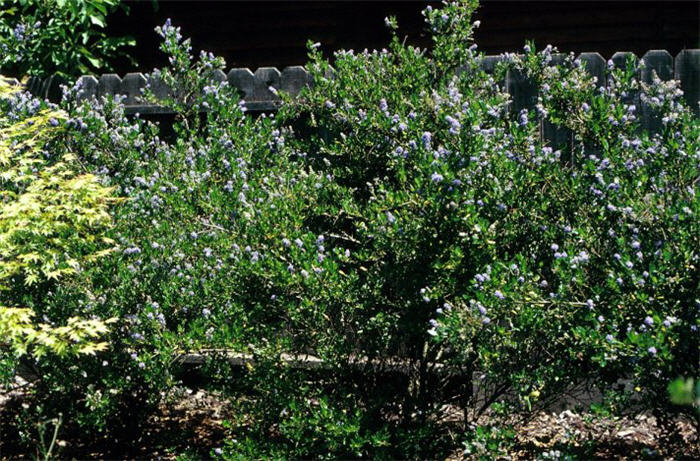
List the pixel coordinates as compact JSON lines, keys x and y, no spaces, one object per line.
{"x":273,"y":33}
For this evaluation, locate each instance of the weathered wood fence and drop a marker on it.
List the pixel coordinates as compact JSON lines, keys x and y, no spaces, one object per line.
{"x":255,"y":87}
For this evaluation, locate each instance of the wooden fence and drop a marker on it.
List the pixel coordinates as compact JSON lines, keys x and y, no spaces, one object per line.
{"x":255,"y":87}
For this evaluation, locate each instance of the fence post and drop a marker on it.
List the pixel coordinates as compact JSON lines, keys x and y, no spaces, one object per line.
{"x":157,"y":86}
{"x":266,"y":77}
{"x":619,"y":60}
{"x":131,"y":87}
{"x":596,"y":66}
{"x":87,"y":88}
{"x":293,"y":79}
{"x":109,"y":85}
{"x":658,"y":62}
{"x":557,"y":136}
{"x":688,"y":72}
{"x":218,"y":76}
{"x":243,"y":80}
{"x":523,"y":92}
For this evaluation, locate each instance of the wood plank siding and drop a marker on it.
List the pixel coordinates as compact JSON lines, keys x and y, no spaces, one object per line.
{"x":273,"y":33}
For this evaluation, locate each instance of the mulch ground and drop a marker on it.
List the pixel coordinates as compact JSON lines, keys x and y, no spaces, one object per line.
{"x":191,"y":422}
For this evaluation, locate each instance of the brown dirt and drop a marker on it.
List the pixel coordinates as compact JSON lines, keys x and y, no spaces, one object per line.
{"x":190,"y":422}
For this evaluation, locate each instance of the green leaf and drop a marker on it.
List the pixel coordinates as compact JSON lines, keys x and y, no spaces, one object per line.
{"x":98,"y":21}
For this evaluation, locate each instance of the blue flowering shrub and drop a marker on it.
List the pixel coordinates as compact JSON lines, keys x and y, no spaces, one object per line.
{"x":394,"y":254}
{"x":526,"y":265}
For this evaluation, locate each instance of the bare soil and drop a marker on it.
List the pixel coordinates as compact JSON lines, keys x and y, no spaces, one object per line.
{"x":190,"y":422}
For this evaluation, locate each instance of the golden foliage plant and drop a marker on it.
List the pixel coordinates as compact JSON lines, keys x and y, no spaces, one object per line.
{"x":53,"y":221}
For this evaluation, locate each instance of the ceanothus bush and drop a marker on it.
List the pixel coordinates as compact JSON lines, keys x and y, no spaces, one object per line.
{"x":402,"y":223}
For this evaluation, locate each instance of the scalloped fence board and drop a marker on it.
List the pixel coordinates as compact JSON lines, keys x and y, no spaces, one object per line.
{"x":259,"y":89}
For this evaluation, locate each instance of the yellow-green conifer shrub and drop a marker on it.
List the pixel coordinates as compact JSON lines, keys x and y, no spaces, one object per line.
{"x":53,"y":220}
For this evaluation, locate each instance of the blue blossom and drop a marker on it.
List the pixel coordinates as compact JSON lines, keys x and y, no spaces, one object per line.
{"x":455,"y":125}
{"x":648,"y":321}
{"x":652,"y":350}
{"x":132,"y":250}
{"x":523,"y":117}
{"x":436,"y":177}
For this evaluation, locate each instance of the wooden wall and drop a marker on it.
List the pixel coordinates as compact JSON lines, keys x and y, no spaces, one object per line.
{"x":273,"y":33}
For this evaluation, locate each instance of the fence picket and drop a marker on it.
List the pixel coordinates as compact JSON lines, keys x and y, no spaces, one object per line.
{"x":687,"y":70}
{"x":157,"y":86}
{"x":243,"y":80}
{"x":266,"y":77}
{"x":87,"y":87}
{"x":109,"y":85}
{"x":293,"y":79}
{"x":595,"y":65}
{"x":255,"y":87}
{"x":660,"y":63}
{"x":131,"y":87}
{"x":556,"y":137}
